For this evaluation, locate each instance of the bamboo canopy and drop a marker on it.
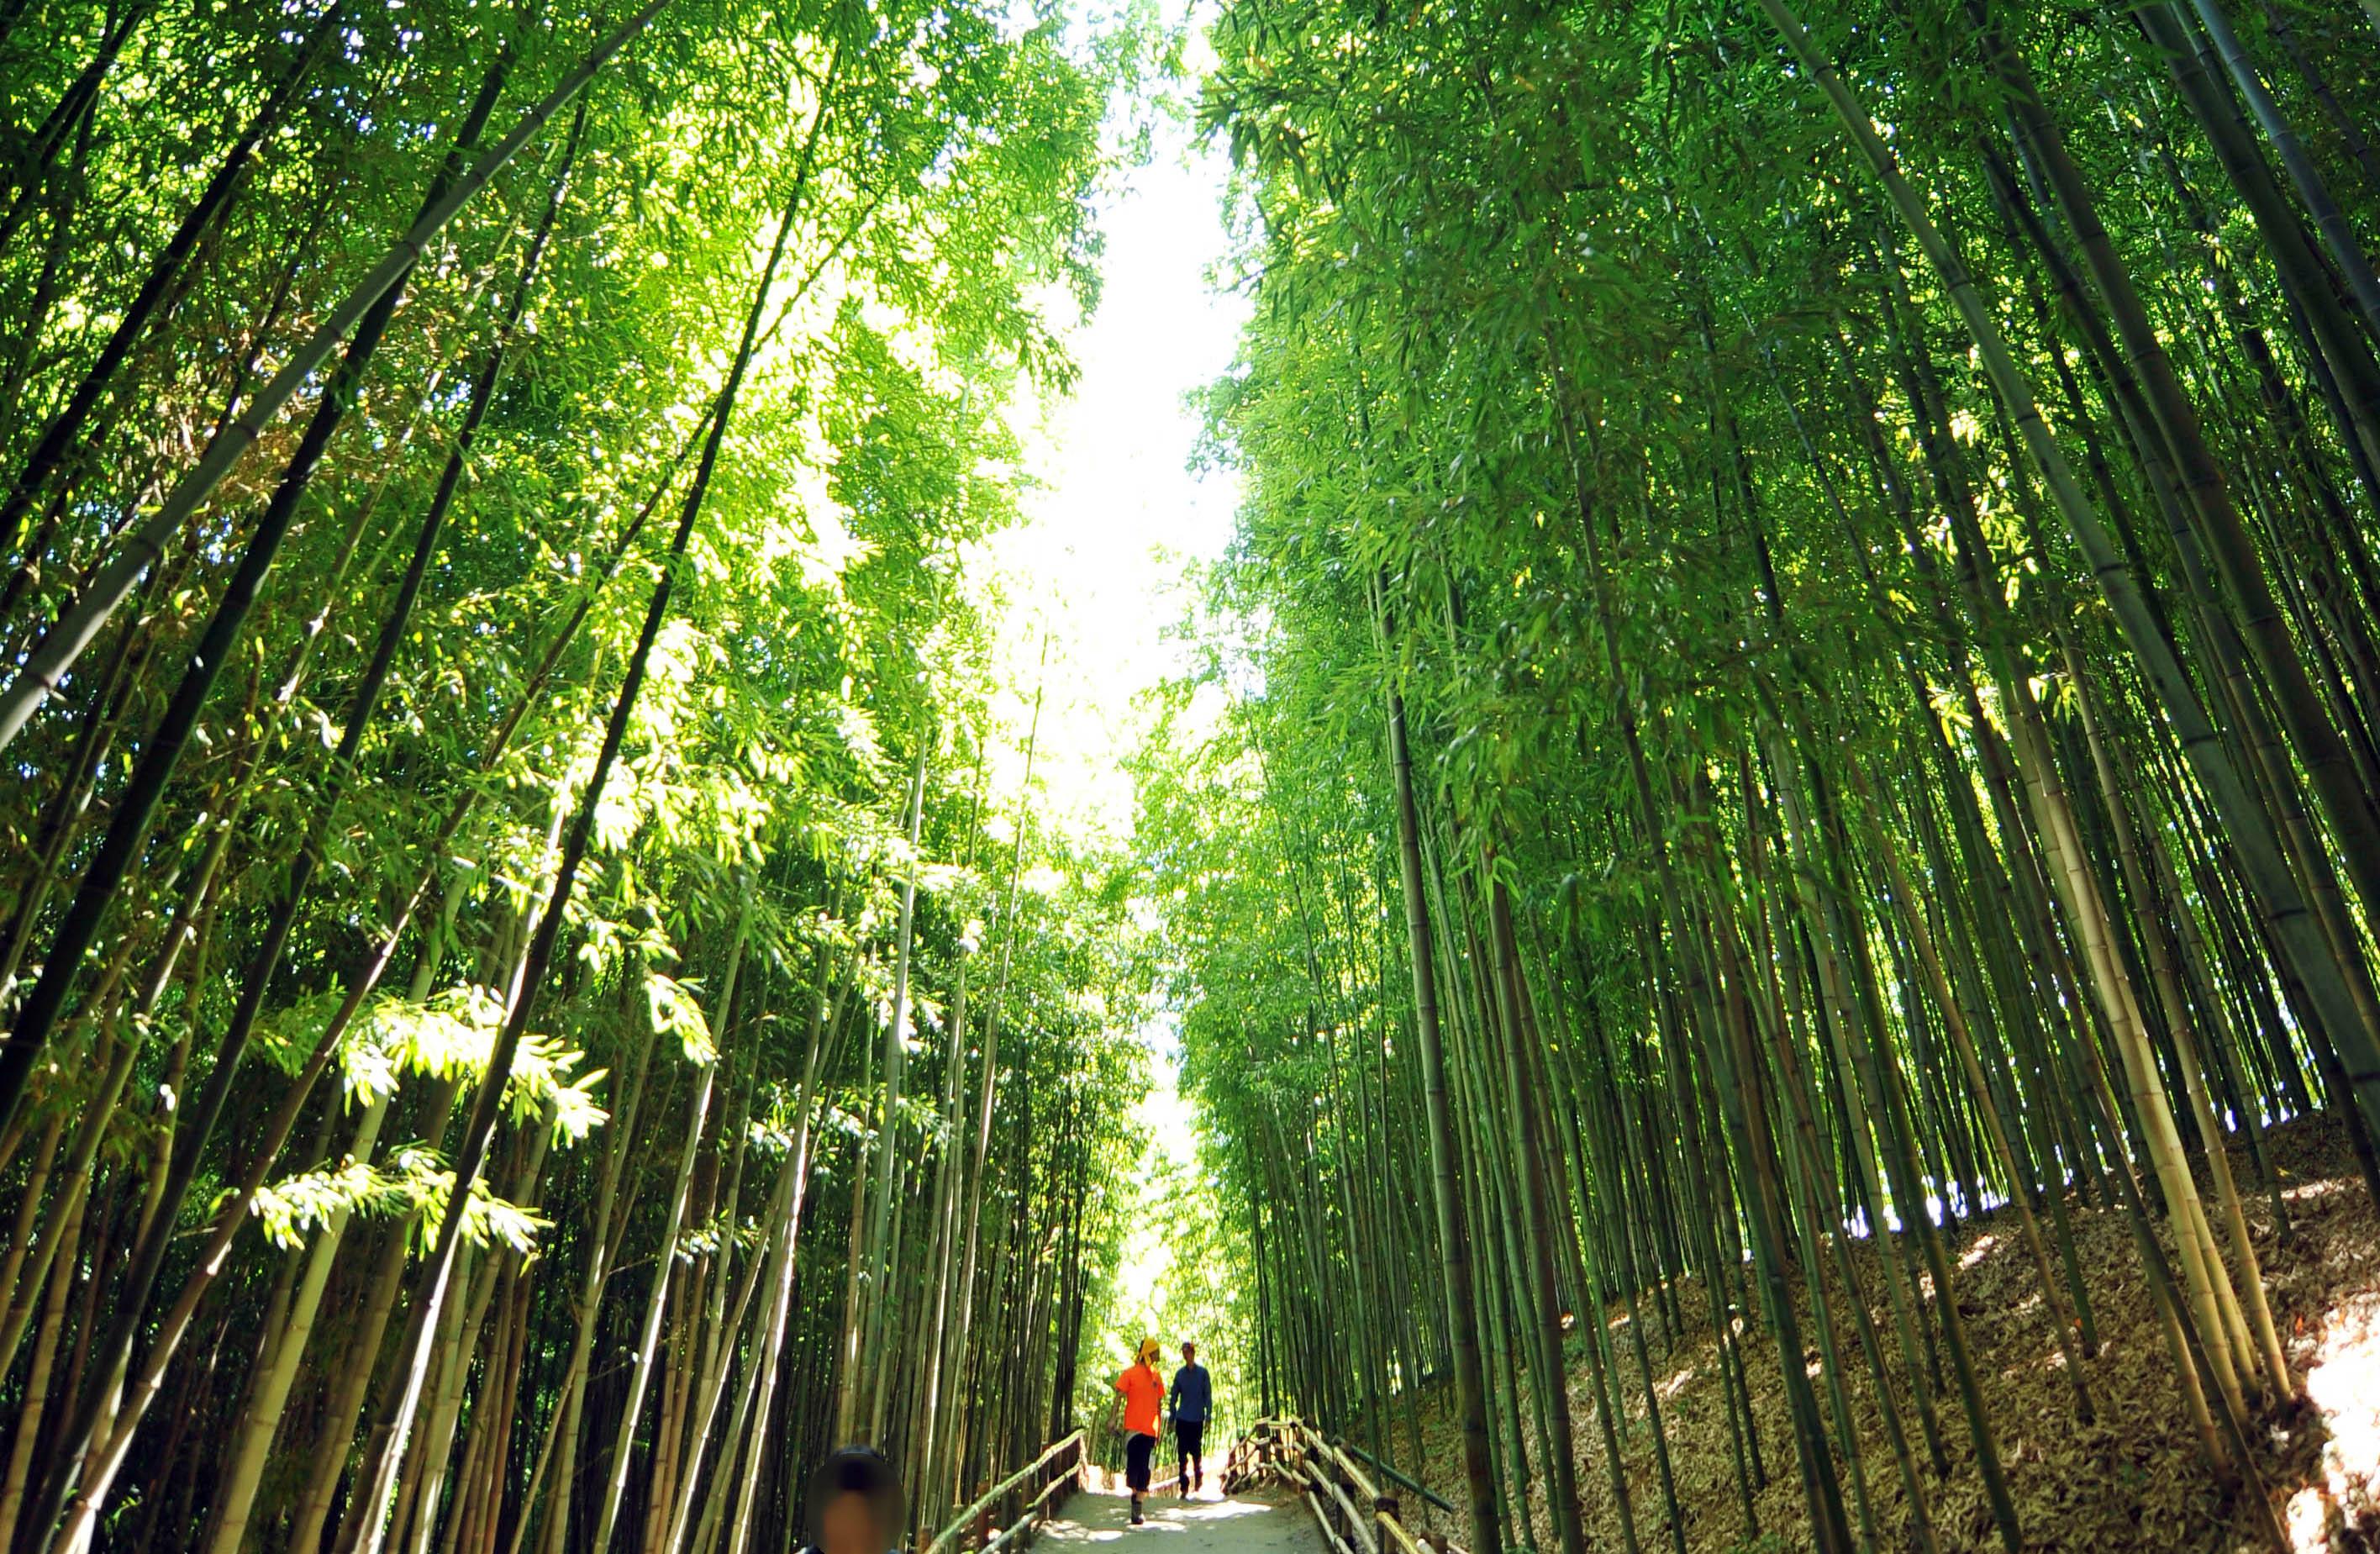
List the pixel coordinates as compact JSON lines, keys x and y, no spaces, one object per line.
{"x":1747,"y":905}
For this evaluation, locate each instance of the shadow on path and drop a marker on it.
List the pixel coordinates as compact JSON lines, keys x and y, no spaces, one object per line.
{"x":1240,"y":1524}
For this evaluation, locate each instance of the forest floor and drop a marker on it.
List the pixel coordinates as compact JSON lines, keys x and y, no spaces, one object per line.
{"x":2134,"y":1480}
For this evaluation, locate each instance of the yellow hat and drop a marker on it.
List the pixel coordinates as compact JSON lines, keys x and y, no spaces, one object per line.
{"x":1150,"y":1350}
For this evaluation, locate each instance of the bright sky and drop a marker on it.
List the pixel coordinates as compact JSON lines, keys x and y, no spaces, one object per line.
{"x":1117,"y":516}
{"x":1116,"y":519}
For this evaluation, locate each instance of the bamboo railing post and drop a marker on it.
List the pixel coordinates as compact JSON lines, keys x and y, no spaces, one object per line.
{"x":971,"y":1529}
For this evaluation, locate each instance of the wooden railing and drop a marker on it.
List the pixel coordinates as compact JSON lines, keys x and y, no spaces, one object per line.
{"x":1022,"y":1501}
{"x":1349,"y":1507}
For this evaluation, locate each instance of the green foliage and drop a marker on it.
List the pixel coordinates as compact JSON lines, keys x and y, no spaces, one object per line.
{"x":1787,"y":726}
{"x":932,"y":168}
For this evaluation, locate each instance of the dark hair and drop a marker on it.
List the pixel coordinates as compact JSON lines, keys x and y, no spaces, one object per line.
{"x":856,"y":1470}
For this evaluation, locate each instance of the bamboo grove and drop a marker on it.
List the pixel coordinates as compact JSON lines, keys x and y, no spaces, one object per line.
{"x":1794,"y":696}
{"x":531,"y":1013}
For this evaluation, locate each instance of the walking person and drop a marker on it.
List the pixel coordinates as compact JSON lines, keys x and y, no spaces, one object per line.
{"x":1190,"y":1404}
{"x":1144,"y":1393}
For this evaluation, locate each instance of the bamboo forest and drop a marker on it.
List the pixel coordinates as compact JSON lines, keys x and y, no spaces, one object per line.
{"x":1685,"y":849}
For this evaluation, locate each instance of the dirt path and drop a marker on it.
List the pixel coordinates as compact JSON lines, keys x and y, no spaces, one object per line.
{"x":1251,"y":1523}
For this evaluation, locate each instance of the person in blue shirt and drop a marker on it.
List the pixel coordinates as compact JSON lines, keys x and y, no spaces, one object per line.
{"x":1190,"y":1402}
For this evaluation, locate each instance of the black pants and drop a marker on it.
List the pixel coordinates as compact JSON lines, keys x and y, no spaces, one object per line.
{"x":1190,"y":1440}
{"x":1136,"y":1451}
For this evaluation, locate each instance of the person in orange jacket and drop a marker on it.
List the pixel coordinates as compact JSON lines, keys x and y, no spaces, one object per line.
{"x":1144,"y":1394}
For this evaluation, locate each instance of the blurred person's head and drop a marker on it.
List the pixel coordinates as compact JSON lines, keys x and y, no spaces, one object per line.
{"x":855,"y":1505}
{"x":1189,"y":1352}
{"x":1151,"y":1352}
